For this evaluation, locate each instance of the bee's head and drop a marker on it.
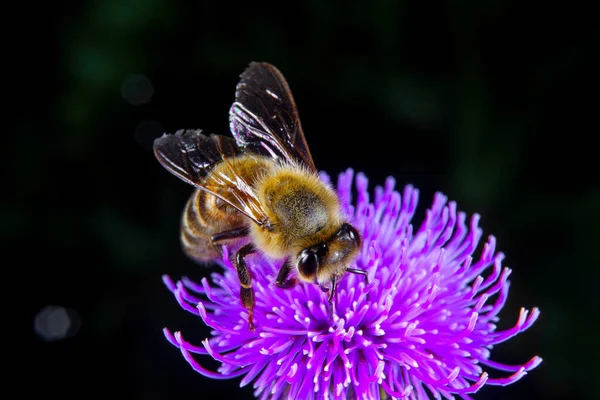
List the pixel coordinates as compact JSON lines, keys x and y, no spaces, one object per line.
{"x":317,"y":264}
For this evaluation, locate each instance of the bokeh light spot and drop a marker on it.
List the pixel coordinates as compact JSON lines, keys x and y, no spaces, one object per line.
{"x":54,"y":323}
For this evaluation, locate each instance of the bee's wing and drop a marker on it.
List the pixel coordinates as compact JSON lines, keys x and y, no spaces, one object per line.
{"x":191,"y":155}
{"x":264,"y":118}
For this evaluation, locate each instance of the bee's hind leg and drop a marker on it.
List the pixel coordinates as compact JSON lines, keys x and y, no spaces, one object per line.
{"x":246,"y":292}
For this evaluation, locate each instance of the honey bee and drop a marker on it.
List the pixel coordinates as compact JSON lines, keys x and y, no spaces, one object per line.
{"x":261,"y":184}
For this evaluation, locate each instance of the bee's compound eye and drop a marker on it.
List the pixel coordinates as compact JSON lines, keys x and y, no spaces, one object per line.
{"x":307,"y":263}
{"x":352,"y":234}
{"x":321,"y":250}
{"x":348,"y":232}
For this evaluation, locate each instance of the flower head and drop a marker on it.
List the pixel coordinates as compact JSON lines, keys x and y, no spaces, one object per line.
{"x":424,"y":324}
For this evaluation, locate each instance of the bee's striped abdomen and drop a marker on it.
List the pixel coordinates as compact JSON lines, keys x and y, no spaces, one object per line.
{"x":203,"y":216}
{"x":206,"y":214}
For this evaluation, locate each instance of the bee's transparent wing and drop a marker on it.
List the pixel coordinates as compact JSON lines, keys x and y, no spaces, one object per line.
{"x":264,"y":118}
{"x":191,"y":156}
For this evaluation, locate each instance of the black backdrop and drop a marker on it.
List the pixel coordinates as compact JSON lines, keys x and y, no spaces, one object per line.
{"x":485,"y":102}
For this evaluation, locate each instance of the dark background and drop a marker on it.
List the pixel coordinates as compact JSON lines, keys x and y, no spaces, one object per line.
{"x":494,"y":104}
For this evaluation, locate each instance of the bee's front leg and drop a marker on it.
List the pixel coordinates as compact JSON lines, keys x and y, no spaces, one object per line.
{"x":246,"y":292}
{"x":331,"y":295}
{"x":282,"y":280}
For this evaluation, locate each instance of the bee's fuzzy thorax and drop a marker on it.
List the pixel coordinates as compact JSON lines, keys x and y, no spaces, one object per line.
{"x":303,"y":210}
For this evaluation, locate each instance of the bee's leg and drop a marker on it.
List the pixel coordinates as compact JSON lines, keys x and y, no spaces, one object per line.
{"x":246,"y":292}
{"x":331,"y":294}
{"x":282,"y":280}
{"x":359,"y":272}
{"x":219,"y":238}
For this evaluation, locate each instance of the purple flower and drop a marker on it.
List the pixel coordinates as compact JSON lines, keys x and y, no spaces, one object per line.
{"x":427,"y":319}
